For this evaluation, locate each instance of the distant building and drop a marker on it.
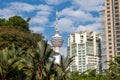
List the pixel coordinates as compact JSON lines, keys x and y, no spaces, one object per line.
{"x":112,"y":28}
{"x":103,"y":41}
{"x":85,"y":46}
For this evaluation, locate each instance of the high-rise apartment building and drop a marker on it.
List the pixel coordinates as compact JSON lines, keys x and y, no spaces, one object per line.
{"x":85,"y":46}
{"x":112,"y":28}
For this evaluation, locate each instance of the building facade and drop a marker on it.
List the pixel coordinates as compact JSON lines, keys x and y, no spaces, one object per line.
{"x":103,"y":41}
{"x":112,"y":28}
{"x":85,"y":46}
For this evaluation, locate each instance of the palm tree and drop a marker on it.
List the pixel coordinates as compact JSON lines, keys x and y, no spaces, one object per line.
{"x":12,"y":65}
{"x":35,"y":64}
{"x":42,"y":56}
{"x":63,"y":67}
{"x":113,"y":71}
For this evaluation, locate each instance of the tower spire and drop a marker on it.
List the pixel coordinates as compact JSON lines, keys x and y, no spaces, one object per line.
{"x":56,"y":20}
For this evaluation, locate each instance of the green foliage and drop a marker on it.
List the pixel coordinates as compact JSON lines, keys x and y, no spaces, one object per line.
{"x":3,"y":22}
{"x":16,"y":22}
{"x":11,"y":64}
{"x":35,"y":64}
{"x":113,"y":72}
{"x":16,"y":30}
{"x":26,"y":40}
{"x":41,"y":62}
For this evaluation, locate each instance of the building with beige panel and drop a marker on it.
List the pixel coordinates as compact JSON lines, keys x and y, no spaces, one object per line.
{"x":112,"y":28}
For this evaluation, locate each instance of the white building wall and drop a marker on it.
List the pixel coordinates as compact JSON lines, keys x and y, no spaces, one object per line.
{"x":82,"y":59}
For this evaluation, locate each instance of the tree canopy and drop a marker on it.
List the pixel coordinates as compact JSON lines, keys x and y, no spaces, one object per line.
{"x":16,"y":30}
{"x":16,"y":22}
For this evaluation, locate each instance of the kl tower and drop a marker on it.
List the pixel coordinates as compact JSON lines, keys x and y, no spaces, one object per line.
{"x":57,"y":41}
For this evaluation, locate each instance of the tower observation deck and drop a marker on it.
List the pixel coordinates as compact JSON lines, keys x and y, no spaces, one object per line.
{"x":57,"y":41}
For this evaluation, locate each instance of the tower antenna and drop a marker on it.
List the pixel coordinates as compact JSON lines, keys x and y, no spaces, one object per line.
{"x":56,"y":20}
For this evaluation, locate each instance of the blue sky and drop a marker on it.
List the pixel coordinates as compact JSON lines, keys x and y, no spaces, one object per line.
{"x":74,"y":15}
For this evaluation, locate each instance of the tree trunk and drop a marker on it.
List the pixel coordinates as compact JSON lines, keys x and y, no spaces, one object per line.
{"x":41,"y":75}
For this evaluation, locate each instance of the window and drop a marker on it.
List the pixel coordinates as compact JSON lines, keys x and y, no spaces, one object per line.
{"x":108,"y":11}
{"x":108,"y":19}
{"x":110,"y":51}
{"x":73,"y":38}
{"x":110,"y":43}
{"x":116,"y":11}
{"x":116,"y":7}
{"x":118,"y":49}
{"x":118,"y":36}
{"x":116,"y":15}
{"x":117,"y":19}
{"x":109,"y":39}
{"x":118,"y":53}
{"x":109,"y":31}
{"x":110,"y":56}
{"x":117,"y":28}
{"x":108,"y":3}
{"x":109,"y":35}
{"x":118,"y":40}
{"x":108,"y":7}
{"x":116,"y":0}
{"x":110,"y":47}
{"x":118,"y":44}
{"x":81,"y":36}
{"x":81,"y":41}
{"x":108,"y":15}
{"x":116,"y":3}
{"x":117,"y":32}
{"x":117,"y":23}
{"x":109,"y":23}
{"x":109,"y":27}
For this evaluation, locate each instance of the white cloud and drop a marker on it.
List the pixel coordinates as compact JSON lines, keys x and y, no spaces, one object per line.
{"x":72,"y":19}
{"x":55,"y":2}
{"x":92,"y":27}
{"x":43,"y":13}
{"x":44,"y":8}
{"x":89,"y":5}
{"x":6,"y":13}
{"x":76,"y":15}
{"x":66,"y":25}
{"x":19,"y":6}
{"x":37,"y":29}
{"x":63,"y":51}
{"x":25,"y":7}
{"x":39,"y":20}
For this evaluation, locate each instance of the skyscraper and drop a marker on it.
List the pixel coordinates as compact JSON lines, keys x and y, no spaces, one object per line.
{"x":57,"y":41}
{"x":85,"y":46}
{"x":103,"y":41}
{"x":112,"y":28}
